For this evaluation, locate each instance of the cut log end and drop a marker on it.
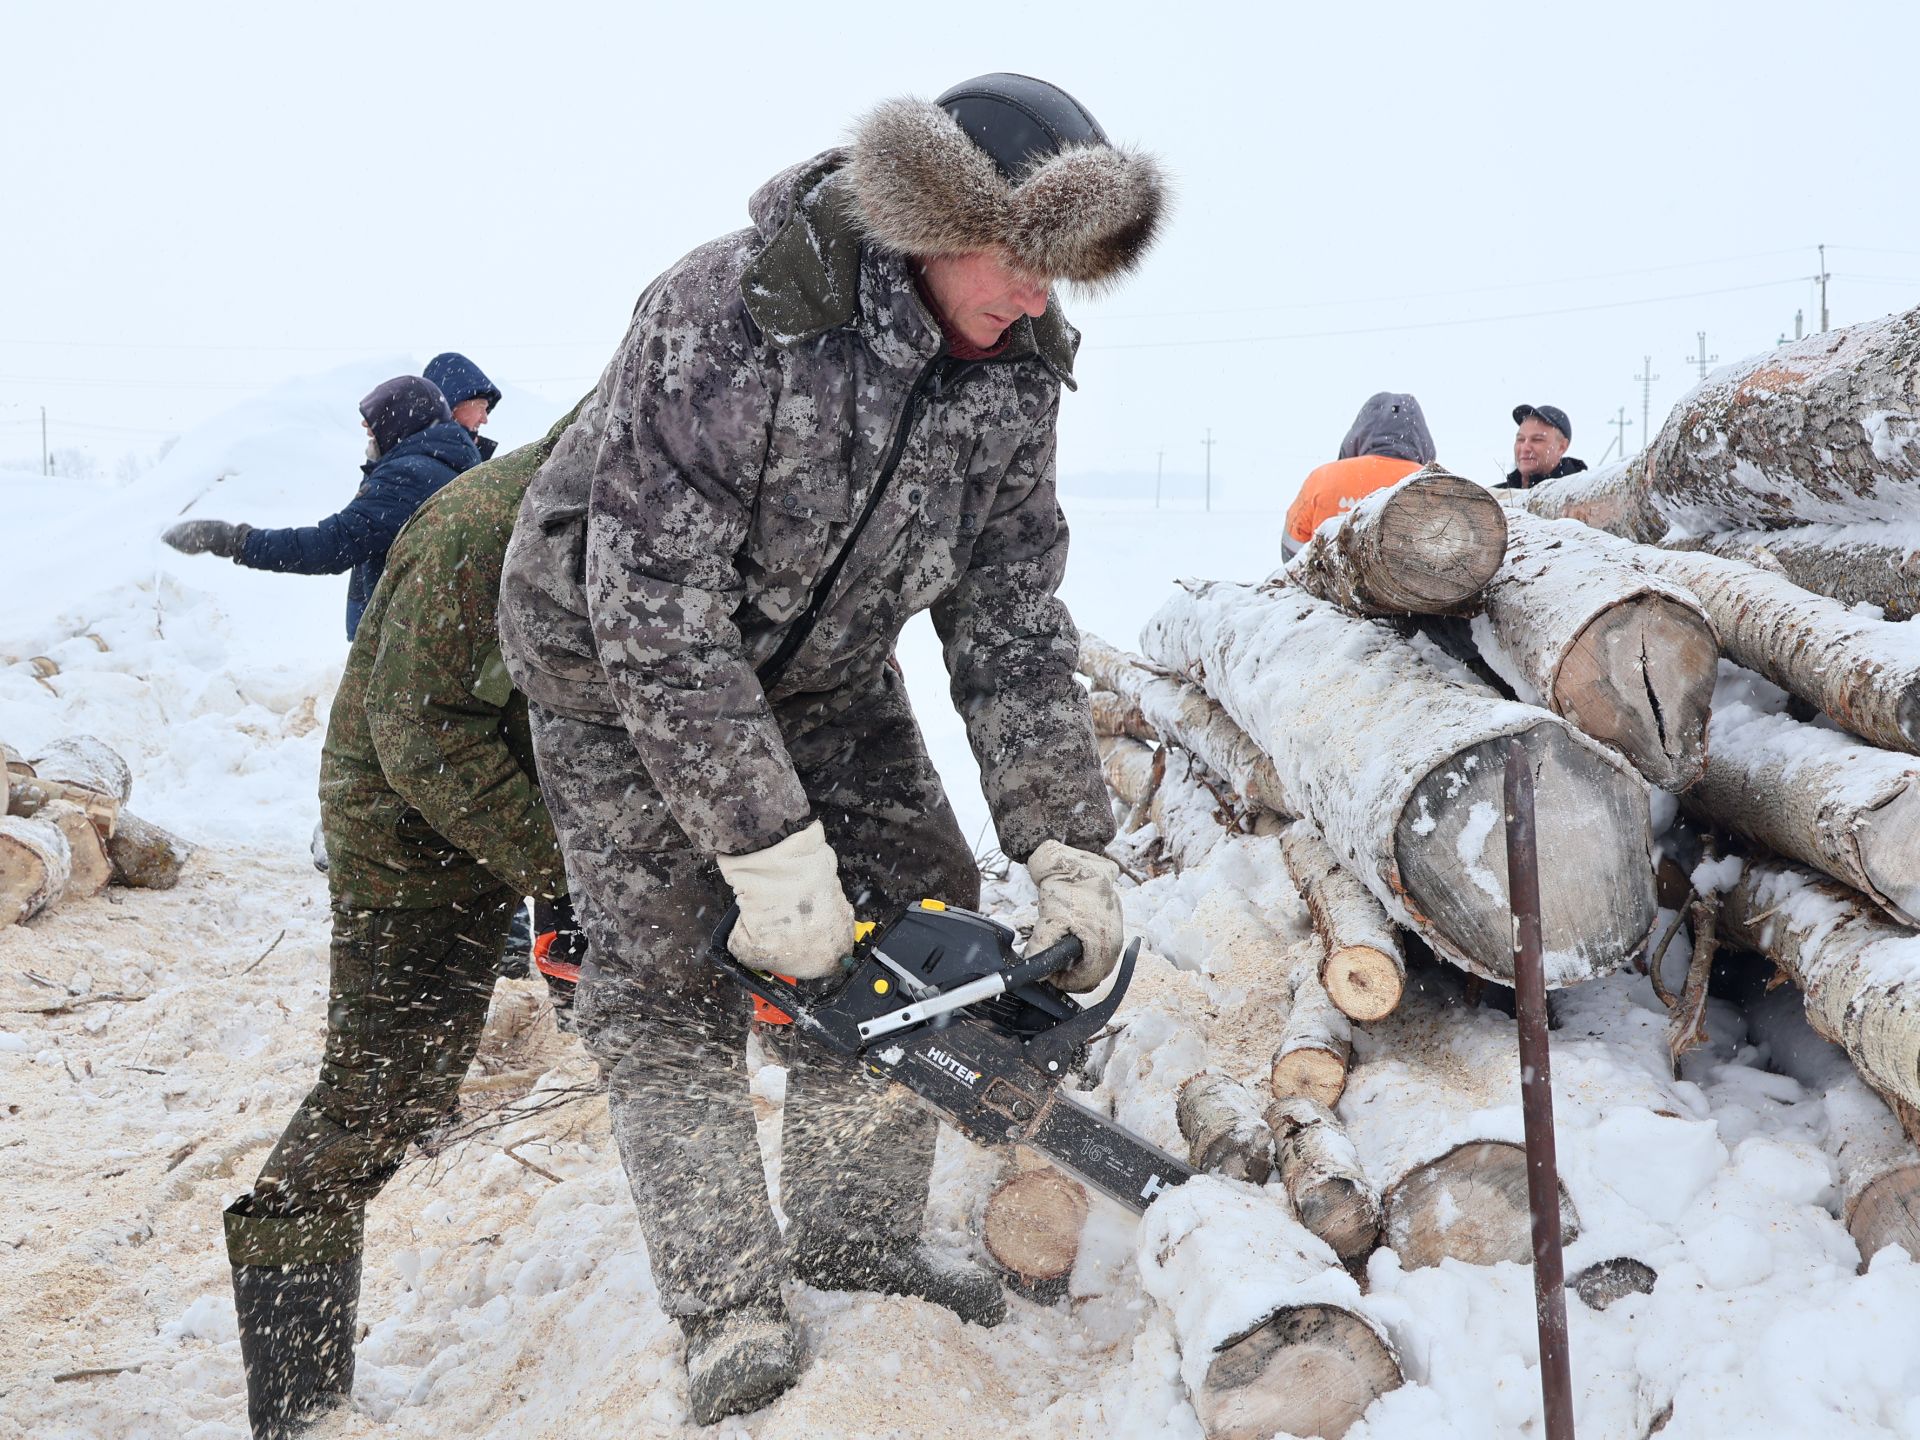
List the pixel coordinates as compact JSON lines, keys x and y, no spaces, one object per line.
{"x":1468,"y":1205}
{"x":1364,"y":982}
{"x":1445,"y":537}
{"x":35,"y":862}
{"x":1306,"y":1370}
{"x":90,"y":869}
{"x":1887,"y":1213}
{"x":1889,"y":841}
{"x":1640,"y":679}
{"x":1317,"y":1074}
{"x":1032,"y":1224}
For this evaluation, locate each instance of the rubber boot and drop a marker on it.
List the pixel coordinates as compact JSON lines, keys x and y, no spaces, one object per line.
{"x":740,"y":1359}
{"x":296,"y":1341}
{"x":849,"y":1261}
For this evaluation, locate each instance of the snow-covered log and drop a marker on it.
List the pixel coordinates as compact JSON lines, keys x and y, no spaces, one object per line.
{"x":144,"y":856}
{"x":1316,"y":1045}
{"x":1365,"y":972}
{"x":89,"y":869}
{"x":86,"y":763}
{"x":1471,"y":1205}
{"x":1031,"y":1225}
{"x":1399,"y":768}
{"x":1116,"y":715}
{"x":1855,"y":564}
{"x":1321,"y":1172}
{"x":1626,"y":656}
{"x":35,"y":861}
{"x":1265,"y":1316}
{"x":1184,"y":714}
{"x":1612,"y":498}
{"x":1131,"y":768}
{"x":1863,"y":672}
{"x":1425,"y":546}
{"x":1824,"y":430}
{"x":1877,"y":1166}
{"x":1823,"y":798}
{"x":1220,"y":1121}
{"x":1859,"y":973}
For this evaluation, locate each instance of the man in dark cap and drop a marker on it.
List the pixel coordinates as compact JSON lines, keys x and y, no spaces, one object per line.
{"x":815,"y":428}
{"x":1540,"y":447}
{"x":470,"y":395}
{"x":414,"y":447}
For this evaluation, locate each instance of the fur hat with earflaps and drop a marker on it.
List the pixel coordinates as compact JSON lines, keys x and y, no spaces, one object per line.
{"x":1006,"y":162}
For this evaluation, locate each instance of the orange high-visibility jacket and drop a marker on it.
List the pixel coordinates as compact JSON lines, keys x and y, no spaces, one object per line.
{"x":1337,"y":486}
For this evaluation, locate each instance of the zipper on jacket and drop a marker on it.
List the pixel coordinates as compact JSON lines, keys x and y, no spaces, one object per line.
{"x":774,"y":668}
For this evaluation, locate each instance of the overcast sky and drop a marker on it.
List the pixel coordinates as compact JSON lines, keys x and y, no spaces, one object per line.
{"x":1479,"y":204}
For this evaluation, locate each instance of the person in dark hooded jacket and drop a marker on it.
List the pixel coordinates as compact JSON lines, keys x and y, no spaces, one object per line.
{"x":470,"y":395}
{"x":416,"y":448}
{"x":1387,"y":442}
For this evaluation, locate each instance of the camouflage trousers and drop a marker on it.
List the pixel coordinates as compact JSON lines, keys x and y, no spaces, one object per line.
{"x":669,"y":1029}
{"x":409,"y":996}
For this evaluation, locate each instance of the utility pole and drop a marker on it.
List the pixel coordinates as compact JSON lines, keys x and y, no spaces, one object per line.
{"x":1621,"y":425}
{"x":1646,"y":377}
{"x":43,"y":441}
{"x":1159,"y":472}
{"x":1208,"y":442}
{"x":1822,"y":277}
{"x":1703,"y":359}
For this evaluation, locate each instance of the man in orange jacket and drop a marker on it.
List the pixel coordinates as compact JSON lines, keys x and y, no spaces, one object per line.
{"x":1388,"y":442}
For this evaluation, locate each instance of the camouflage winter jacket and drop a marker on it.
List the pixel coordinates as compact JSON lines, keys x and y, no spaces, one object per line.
{"x":427,"y":786}
{"x":766,"y":385}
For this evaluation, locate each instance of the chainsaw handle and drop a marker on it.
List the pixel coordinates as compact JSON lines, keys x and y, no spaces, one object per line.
{"x":1061,"y":955}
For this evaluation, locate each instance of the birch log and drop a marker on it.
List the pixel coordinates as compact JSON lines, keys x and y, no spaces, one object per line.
{"x":1858,"y":973}
{"x":1316,"y":1044}
{"x":1427,"y":545}
{"x":144,"y":856}
{"x":1877,"y":1166}
{"x":1869,"y":564}
{"x":88,"y":869}
{"x":1266,"y":1319}
{"x":1846,"y":808}
{"x":1612,"y":498}
{"x":1031,"y":1225}
{"x":1863,"y":672}
{"x":1321,"y":1172}
{"x":1113,"y":715}
{"x":1365,"y":972}
{"x":1628,"y":657}
{"x":35,"y":861}
{"x":86,"y":763}
{"x":1220,"y":1121}
{"x":1824,"y":430}
{"x":1471,"y":1205}
{"x":1399,"y":768}
{"x":1131,"y":768}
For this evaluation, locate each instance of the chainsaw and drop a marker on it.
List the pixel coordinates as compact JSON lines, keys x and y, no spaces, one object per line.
{"x":940,"y":1001}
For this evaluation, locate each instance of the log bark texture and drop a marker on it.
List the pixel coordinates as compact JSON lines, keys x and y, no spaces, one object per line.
{"x":1399,"y":769}
{"x":1115,"y":715}
{"x":1626,"y":656}
{"x":1849,"y":809}
{"x":1365,"y":972}
{"x":89,"y":869}
{"x":1853,"y":564}
{"x":87,"y":764}
{"x":1858,"y":973}
{"x":1316,"y":1045}
{"x":1470,"y":1204}
{"x":144,"y":856}
{"x":1612,"y":498}
{"x":1321,"y":1172}
{"x":1220,"y":1121}
{"x":1131,"y":768}
{"x":1265,"y":1318}
{"x":1425,"y":546}
{"x":35,"y":861}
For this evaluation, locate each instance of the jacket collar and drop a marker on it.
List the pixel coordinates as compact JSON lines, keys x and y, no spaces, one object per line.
{"x":815,"y":275}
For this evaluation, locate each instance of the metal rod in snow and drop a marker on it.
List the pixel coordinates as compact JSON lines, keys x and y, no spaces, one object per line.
{"x":1536,"y":1096}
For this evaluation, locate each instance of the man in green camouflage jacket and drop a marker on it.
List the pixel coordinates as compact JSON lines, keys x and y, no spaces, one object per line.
{"x":435,"y":829}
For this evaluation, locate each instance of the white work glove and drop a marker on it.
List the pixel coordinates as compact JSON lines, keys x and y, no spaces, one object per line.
{"x":1079,"y":896}
{"x":794,"y":917}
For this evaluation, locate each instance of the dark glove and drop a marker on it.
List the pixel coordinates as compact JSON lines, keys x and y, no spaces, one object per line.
{"x":207,"y":537}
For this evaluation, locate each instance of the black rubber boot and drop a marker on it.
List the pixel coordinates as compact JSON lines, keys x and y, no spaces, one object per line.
{"x":854,"y":1262}
{"x":296,"y":1341}
{"x":740,"y":1359}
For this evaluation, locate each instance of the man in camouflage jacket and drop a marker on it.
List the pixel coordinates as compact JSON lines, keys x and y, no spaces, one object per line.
{"x":435,"y":830}
{"x":815,"y":428}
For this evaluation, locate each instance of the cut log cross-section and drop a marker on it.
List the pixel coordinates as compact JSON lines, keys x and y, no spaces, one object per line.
{"x":89,"y":868}
{"x":1425,"y":546}
{"x":1031,"y":1226}
{"x":1399,"y":766}
{"x":1365,"y":972}
{"x":1316,"y":1044}
{"x":1627,"y":656}
{"x":35,"y":862}
{"x":1469,"y":1204}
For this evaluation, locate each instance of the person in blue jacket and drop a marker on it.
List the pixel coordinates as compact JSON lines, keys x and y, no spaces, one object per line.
{"x":416,"y":447}
{"x":470,"y":395}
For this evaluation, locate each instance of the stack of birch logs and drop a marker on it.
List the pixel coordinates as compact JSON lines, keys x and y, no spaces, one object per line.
{"x":1353,"y":710}
{"x":65,"y":831}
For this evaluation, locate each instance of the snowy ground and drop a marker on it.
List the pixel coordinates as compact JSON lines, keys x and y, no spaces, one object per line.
{"x":151,"y":1046}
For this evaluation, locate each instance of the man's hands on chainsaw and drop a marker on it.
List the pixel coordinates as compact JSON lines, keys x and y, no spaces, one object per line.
{"x":1079,"y":896}
{"x":794,"y":917}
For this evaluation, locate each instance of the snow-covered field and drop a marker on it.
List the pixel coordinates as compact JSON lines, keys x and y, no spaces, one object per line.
{"x":507,"y":1291}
